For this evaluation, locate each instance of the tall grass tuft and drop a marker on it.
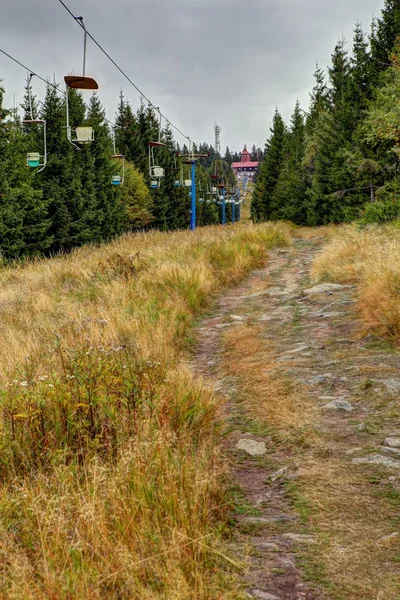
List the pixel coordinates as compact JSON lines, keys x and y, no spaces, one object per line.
{"x":369,"y":258}
{"x":110,"y":466}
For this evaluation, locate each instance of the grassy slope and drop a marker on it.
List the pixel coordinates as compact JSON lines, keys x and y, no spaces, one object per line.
{"x":109,"y":450}
{"x":371,"y":260}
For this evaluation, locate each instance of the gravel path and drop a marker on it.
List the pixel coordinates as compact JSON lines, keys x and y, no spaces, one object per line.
{"x":352,"y":381}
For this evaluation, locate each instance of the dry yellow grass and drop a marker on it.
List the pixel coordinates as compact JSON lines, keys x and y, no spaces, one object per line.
{"x":371,"y":260}
{"x":270,"y":397}
{"x":109,"y":450}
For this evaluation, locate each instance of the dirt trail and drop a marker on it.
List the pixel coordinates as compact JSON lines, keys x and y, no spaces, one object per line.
{"x":351,"y":382}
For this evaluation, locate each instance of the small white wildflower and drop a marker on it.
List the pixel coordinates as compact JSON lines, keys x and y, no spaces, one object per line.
{"x":24,"y":384}
{"x":50,"y":385}
{"x":43,"y":377}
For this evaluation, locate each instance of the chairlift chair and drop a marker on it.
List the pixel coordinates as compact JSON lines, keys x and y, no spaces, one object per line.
{"x":118,"y":180}
{"x":156,"y":172}
{"x":82,"y":134}
{"x":177,"y":170}
{"x":35,"y":159}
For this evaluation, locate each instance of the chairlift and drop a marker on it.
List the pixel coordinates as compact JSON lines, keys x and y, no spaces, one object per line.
{"x":201,"y":192}
{"x":118,"y":180}
{"x":82,"y":134}
{"x":33,"y":159}
{"x":156,"y":173}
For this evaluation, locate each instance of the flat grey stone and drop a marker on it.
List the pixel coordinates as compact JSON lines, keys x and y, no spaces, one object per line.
{"x":269,"y":546}
{"x":377,"y":459}
{"x":263,"y":595}
{"x":339,"y":404}
{"x":393,"y":442}
{"x":361,"y":427}
{"x":353,"y":451}
{"x":236,"y":318}
{"x":223,"y":325}
{"x":298,"y":349}
{"x":320,"y":378}
{"x":390,"y":450}
{"x":279,"y":474}
{"x":392,"y":384}
{"x":392,"y":536}
{"x":267,"y":520}
{"x":252,"y":447}
{"x":324,"y":288}
{"x":300,"y":538}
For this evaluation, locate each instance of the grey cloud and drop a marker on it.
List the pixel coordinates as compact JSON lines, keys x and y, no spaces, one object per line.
{"x":227,"y":60}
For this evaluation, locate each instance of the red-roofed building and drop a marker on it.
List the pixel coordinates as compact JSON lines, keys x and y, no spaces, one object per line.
{"x":246,"y":166}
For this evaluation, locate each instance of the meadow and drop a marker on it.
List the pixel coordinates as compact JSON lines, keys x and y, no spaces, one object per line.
{"x":112,"y":478}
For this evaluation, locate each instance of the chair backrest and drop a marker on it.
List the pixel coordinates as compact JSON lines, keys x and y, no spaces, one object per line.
{"x":84,"y":135}
{"x":158,"y":172}
{"x":33,"y":159}
{"x":188,"y":182}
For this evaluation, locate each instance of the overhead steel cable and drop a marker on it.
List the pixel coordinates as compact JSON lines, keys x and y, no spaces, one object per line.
{"x":78,"y":20}
{"x":46,"y":81}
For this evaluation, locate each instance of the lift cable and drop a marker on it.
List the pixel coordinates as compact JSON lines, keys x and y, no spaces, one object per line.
{"x":78,"y":21}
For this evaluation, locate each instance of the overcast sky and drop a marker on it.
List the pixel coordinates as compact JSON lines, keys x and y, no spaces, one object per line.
{"x":230,"y":61}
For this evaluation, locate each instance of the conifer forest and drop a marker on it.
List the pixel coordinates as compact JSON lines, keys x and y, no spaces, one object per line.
{"x":71,"y":201}
{"x":339,"y":160}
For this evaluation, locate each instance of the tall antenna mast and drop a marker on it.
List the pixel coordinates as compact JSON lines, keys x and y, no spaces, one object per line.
{"x":217,"y":131}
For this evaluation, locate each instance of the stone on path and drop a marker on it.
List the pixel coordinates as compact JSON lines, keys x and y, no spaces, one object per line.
{"x":281,"y":473}
{"x":324,"y":288}
{"x":392,"y":536}
{"x":269,"y":546}
{"x":252,"y":447}
{"x":393,"y":385}
{"x":393,"y":442}
{"x":377,"y":459}
{"x":297,"y":350}
{"x":263,"y":595}
{"x":320,"y":378}
{"x":236,"y":318}
{"x":300,"y":538}
{"x":338,"y":404}
{"x":390,"y":450}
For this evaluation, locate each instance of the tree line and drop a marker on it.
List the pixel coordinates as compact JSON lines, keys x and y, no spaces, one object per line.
{"x":72,"y":202}
{"x":340,"y":160}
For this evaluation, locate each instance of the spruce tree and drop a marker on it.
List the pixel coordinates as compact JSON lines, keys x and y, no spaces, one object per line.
{"x":269,"y":171}
{"x":109,"y":212}
{"x":11,"y":214}
{"x":385,"y":32}
{"x":288,"y":197}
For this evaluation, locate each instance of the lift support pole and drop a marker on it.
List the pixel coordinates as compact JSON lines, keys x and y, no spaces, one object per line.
{"x":190,"y":159}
